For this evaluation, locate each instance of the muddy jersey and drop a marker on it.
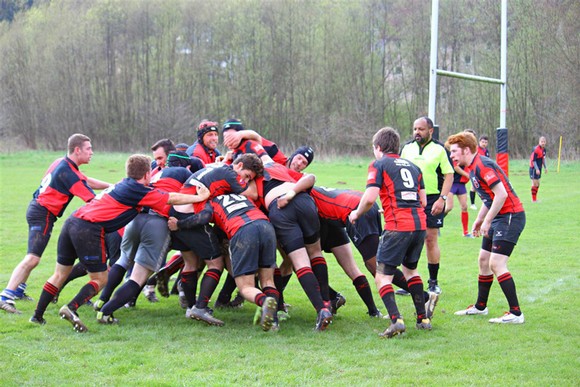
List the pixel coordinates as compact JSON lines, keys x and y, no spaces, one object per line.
{"x":116,"y":206}
{"x":220,"y":180}
{"x":61,"y":182}
{"x":485,"y":174}
{"x":335,"y":204}
{"x":231,"y":212}
{"x":399,"y":181}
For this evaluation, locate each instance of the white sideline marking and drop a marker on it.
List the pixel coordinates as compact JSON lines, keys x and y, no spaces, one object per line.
{"x":542,"y":291}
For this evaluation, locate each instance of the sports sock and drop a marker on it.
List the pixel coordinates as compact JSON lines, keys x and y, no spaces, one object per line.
{"x":48,"y":293}
{"x":128,"y":291}
{"x":281,"y":281}
{"x":174,"y":289}
{"x":361,"y":284}
{"x":20,"y":290}
{"x":209,"y":282}
{"x":433,"y":270}
{"x":484,"y":283}
{"x":115,"y":277}
{"x":332,"y":294}
{"x":310,"y":285}
{"x":189,"y":286}
{"x":272,"y":292}
{"x":388,"y":296}
{"x":86,"y":293}
{"x":227,"y":289}
{"x":399,"y":280}
{"x":320,"y":270}
{"x":259,"y":299}
{"x":508,"y":286}
{"x":465,"y":222}
{"x":472,"y":197}
{"x":78,"y":270}
{"x":535,"y":193}
{"x":416,"y":290}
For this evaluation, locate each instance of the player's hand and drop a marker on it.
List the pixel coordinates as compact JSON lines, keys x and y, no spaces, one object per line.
{"x":232,"y":139}
{"x":546,"y":171}
{"x":484,"y":229}
{"x":203,"y":192}
{"x":537,"y":171}
{"x":353,"y":217}
{"x":172,"y":223}
{"x":438,"y":207}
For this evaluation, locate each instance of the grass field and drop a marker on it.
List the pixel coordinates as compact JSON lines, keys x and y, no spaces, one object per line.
{"x":155,"y":345}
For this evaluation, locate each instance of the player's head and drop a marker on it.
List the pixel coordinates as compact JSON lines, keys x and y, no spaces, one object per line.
{"x":207,"y":134}
{"x":301,"y":158}
{"x":178,"y":159}
{"x":138,"y":167}
{"x":232,"y":124}
{"x":542,"y":141}
{"x":463,"y":147}
{"x":79,"y":148}
{"x":181,"y":147}
{"x":161,"y":149}
{"x":483,"y":141}
{"x":385,"y":141}
{"x":248,"y":166}
{"x":423,"y":130}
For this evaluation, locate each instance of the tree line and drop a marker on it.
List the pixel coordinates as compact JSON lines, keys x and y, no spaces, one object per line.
{"x":327,"y":73}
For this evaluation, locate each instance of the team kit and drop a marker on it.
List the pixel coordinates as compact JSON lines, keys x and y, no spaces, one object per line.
{"x":255,"y":217}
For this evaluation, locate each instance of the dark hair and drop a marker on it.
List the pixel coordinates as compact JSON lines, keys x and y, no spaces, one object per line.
{"x":387,"y":139}
{"x":166,"y":144}
{"x":251,"y":162}
{"x":137,"y":166}
{"x":484,"y":137}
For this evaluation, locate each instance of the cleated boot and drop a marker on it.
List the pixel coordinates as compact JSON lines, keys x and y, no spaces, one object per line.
{"x":434,"y":287}
{"x":471,"y":310}
{"x":37,"y":320}
{"x":98,"y":305}
{"x":425,"y":325}
{"x":268,"y":313}
{"x":431,"y":304}
{"x":204,"y":315}
{"x":338,"y":302}
{"x":508,"y":318}
{"x":323,"y":320}
{"x":396,"y":328}
{"x":67,"y":314}
{"x":237,"y":302}
{"x":108,"y":320}
{"x":8,"y":306}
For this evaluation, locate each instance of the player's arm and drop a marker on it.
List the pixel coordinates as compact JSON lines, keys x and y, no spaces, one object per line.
{"x":192,"y":221}
{"x":423,"y":197}
{"x":500,"y":195}
{"x":460,"y":171}
{"x":366,"y":202}
{"x":180,"y":198}
{"x":232,"y":138}
{"x":305,"y":183}
{"x":439,"y":205}
{"x":251,"y":191}
{"x":97,"y":184}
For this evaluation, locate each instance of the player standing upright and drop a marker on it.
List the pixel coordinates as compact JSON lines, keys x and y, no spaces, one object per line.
{"x":399,"y":184}
{"x":537,"y":161}
{"x":500,"y":222}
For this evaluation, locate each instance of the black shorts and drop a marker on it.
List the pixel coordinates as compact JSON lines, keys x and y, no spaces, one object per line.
{"x":113,"y":244}
{"x":369,"y":224}
{"x":399,"y":247}
{"x":40,"y":224}
{"x":253,"y":246}
{"x":296,"y":224}
{"x":433,"y":221}
{"x":85,"y":241}
{"x":534,"y":175}
{"x":202,"y":240}
{"x":508,"y":227}
{"x":332,"y":234}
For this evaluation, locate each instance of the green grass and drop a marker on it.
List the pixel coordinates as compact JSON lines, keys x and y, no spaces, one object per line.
{"x":155,"y":345}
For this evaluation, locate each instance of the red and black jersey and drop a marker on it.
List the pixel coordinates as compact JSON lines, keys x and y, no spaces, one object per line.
{"x":61,"y":182}
{"x":206,"y":155}
{"x":485,"y":174}
{"x":273,"y":151}
{"x":249,"y":146}
{"x":457,"y":178}
{"x":482,"y":151}
{"x":219,"y":180}
{"x":274,"y":175}
{"x":170,"y":179}
{"x":335,"y":204}
{"x":231,"y":212}
{"x":116,"y":206}
{"x":537,"y":157}
{"x":399,"y":181}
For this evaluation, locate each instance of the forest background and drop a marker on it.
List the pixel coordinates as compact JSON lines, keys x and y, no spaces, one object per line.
{"x":328,"y":73}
